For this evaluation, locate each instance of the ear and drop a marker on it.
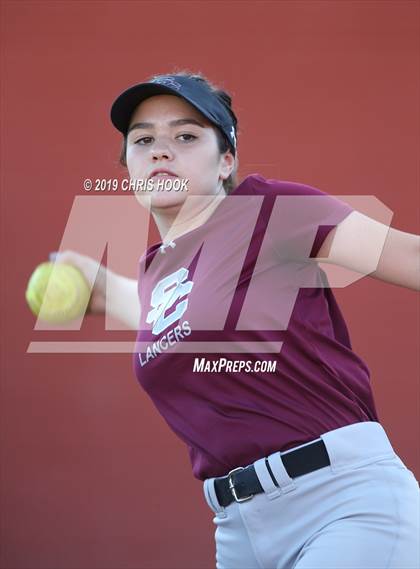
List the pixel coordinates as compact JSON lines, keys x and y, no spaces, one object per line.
{"x":227,"y":164}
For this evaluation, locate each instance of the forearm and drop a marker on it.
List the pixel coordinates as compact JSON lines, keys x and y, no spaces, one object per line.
{"x":122,"y":301}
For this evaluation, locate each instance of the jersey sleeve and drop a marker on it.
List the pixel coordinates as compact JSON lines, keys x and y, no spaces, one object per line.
{"x":301,"y":217}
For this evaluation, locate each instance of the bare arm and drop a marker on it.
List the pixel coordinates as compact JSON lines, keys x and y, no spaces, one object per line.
{"x":370,"y":247}
{"x":123,"y":301}
{"x":110,"y":291}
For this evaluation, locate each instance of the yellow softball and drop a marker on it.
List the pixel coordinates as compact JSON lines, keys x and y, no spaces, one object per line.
{"x":57,"y":292}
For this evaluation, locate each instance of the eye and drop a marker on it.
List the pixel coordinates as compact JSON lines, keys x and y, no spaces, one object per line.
{"x":187,"y":137}
{"x":143,"y":140}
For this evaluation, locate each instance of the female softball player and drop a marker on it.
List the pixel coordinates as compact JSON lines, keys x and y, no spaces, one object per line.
{"x":244,"y":350}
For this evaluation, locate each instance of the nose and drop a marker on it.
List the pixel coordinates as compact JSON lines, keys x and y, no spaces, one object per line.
{"x":160,"y":155}
{"x":160,"y":151}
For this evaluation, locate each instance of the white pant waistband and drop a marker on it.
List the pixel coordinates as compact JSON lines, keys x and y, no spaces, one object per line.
{"x":348,"y":447}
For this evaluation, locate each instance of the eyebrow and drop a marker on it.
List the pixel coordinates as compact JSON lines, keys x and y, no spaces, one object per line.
{"x":177,"y":122}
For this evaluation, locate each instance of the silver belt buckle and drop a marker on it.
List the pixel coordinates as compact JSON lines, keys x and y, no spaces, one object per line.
{"x":232,"y":486}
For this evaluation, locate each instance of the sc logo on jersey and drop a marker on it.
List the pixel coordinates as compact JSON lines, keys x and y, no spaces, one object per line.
{"x":165,"y":294}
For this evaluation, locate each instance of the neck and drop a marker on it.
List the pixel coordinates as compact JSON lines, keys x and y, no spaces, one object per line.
{"x":174,"y":222}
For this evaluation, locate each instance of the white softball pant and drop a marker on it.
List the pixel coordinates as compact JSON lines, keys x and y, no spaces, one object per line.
{"x":361,"y":512}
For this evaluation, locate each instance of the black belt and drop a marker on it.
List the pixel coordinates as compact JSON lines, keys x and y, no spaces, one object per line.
{"x":242,"y":483}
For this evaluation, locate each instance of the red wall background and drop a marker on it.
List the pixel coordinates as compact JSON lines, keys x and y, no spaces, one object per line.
{"x":327,"y":93}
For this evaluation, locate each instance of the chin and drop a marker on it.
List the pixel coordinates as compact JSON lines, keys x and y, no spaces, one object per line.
{"x":162,"y":200}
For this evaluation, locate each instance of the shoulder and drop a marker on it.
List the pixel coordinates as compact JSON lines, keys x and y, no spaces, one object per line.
{"x":255,"y":184}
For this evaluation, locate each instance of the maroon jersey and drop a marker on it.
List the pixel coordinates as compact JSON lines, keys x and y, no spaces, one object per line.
{"x":241,"y":344}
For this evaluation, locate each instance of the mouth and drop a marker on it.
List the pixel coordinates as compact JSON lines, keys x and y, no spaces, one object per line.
{"x":161,"y":173}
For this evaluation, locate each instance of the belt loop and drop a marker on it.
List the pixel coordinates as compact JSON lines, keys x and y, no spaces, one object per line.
{"x":211,"y":498}
{"x":266,"y":481}
{"x":285,"y":482}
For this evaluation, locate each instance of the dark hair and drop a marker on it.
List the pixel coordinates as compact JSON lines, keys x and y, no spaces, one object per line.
{"x":230,"y":183}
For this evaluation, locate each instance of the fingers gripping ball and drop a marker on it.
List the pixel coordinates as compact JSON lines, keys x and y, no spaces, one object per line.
{"x":57,"y":292}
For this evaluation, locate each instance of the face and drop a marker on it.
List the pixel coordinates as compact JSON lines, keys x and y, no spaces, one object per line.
{"x":168,"y":133}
